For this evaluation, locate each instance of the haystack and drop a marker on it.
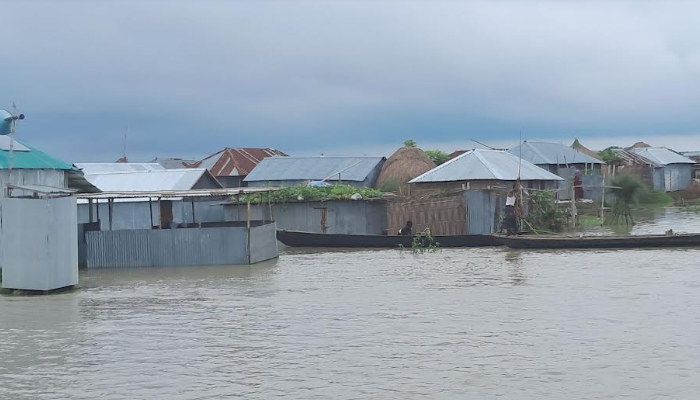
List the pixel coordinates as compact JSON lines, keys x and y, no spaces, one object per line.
{"x":405,"y":164}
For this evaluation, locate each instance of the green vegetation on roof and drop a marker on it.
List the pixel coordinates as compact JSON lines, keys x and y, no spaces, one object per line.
{"x":32,"y":159}
{"x":309,"y":193}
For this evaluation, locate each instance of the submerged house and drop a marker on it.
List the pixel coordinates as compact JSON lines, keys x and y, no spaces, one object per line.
{"x":671,"y":171}
{"x":293,"y":171}
{"x":230,"y":166}
{"x":137,"y":212}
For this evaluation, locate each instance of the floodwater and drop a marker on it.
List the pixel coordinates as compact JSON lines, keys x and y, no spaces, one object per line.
{"x":457,"y":324}
{"x":656,"y":221}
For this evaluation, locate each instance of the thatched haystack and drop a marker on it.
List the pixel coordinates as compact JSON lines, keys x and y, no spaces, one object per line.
{"x":405,"y":164}
{"x":585,"y":150}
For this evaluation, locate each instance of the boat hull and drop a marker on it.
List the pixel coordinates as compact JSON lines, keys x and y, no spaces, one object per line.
{"x":307,"y":239}
{"x":599,"y":242}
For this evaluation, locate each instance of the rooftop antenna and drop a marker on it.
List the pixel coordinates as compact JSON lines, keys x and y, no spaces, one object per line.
{"x":124,"y":143}
{"x":485,"y":145}
{"x":8,"y":124}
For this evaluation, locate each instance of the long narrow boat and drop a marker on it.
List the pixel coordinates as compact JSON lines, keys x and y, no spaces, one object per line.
{"x":307,"y":239}
{"x":599,"y":242}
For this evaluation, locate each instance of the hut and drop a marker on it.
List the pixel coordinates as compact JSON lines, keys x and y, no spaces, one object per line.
{"x":671,"y":171}
{"x":485,"y":169}
{"x":405,"y":164}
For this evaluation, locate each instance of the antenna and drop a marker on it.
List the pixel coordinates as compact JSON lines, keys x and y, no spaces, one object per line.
{"x":520,"y":156}
{"x":485,"y":145}
{"x":124,"y":143}
{"x":7,"y":127}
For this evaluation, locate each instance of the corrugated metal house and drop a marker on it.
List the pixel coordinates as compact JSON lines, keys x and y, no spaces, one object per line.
{"x":293,"y":171}
{"x":31,"y":167}
{"x":230,"y":166}
{"x":556,"y":156}
{"x":483,"y":169}
{"x":564,"y":161}
{"x":695,"y":156}
{"x":134,"y":213}
{"x":671,"y":171}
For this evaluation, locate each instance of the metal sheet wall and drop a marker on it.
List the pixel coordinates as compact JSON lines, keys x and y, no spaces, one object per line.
{"x":167,"y":247}
{"x":41,"y":177}
{"x":345,"y":217}
{"x":673,"y":177}
{"x":263,"y":243}
{"x":483,"y":211}
{"x":38,"y":243}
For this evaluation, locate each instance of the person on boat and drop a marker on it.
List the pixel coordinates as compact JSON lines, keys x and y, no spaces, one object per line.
{"x":510,"y":222}
{"x":406,"y":230}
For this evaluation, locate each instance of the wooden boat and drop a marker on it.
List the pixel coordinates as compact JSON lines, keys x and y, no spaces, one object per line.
{"x":599,"y":242}
{"x":308,"y":239}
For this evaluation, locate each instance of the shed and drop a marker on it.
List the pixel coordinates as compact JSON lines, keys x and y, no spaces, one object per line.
{"x":292,"y":171}
{"x":671,"y":171}
{"x":405,"y":164}
{"x":31,"y":167}
{"x":230,"y":166}
{"x":482,"y":169}
{"x":556,"y":156}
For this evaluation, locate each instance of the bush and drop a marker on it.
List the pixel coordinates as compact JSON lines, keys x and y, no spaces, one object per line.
{"x":628,"y":189}
{"x":295,"y":193}
{"x":544,"y":214}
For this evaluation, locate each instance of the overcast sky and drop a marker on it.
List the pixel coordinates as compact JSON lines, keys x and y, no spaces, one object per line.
{"x":355,"y":77}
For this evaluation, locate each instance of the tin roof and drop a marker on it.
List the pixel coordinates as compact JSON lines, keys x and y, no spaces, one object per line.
{"x":149,"y":180}
{"x":174,"y":163}
{"x":27,"y":157}
{"x":540,"y":153}
{"x":481,"y":164}
{"x":236,"y":161}
{"x":355,"y":169}
{"x":105,"y":168}
{"x":661,"y":156}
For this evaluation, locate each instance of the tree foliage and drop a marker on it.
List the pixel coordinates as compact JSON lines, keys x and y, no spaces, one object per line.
{"x":609,"y":156}
{"x":410,"y":143}
{"x":438,"y":156}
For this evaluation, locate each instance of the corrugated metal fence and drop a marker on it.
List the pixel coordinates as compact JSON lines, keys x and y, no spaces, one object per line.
{"x":179,"y":247}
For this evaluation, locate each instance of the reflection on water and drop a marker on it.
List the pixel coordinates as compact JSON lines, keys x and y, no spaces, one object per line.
{"x":656,"y":221}
{"x":460,"y":323}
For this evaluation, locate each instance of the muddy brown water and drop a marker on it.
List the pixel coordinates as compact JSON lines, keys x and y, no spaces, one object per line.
{"x":460,"y":323}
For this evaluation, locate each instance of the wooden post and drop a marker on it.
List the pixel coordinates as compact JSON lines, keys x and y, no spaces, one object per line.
{"x":150,"y":209}
{"x":90,"y":209}
{"x":193,"y":216}
{"x":573,"y":206}
{"x":602,"y":204}
{"x":248,"y":218}
{"x":97,"y":201}
{"x":160,"y":213}
{"x":110,"y":203}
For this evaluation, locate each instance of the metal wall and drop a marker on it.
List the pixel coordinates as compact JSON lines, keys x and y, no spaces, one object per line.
{"x":38,"y":243}
{"x":179,"y":247}
{"x":348,"y":217}
{"x":263,"y":243}
{"x":483,"y":211}
{"x":42,"y":177}
{"x":137,"y":214}
{"x":673,"y":177}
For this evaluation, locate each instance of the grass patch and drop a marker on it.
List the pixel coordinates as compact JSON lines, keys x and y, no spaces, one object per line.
{"x":654,"y":197}
{"x":589,"y":221}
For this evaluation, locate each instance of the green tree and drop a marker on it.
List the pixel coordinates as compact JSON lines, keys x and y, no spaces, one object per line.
{"x":438,"y":156}
{"x":609,"y":156}
{"x":410,"y":143}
